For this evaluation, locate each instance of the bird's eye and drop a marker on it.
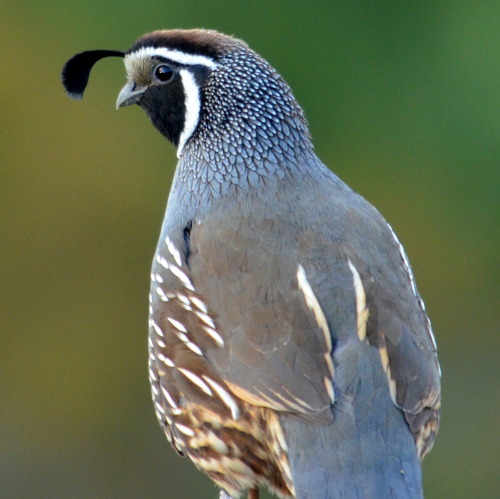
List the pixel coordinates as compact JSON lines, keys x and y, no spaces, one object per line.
{"x":164,"y":73}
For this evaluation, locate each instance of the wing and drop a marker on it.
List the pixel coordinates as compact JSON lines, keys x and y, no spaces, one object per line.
{"x":277,"y":291}
{"x":398,"y":326}
{"x":390,"y":314}
{"x":277,"y":343}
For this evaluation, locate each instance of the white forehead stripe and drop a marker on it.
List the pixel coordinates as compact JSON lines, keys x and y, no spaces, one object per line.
{"x":192,"y":103}
{"x":173,"y":55}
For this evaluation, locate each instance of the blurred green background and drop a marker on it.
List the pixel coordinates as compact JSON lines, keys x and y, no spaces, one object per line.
{"x":403,"y":99}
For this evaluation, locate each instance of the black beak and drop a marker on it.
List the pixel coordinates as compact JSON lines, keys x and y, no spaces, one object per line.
{"x":129,"y":95}
{"x":75,"y":73}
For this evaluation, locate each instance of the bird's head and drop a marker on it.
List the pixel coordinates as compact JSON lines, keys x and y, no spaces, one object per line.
{"x":205,"y":84}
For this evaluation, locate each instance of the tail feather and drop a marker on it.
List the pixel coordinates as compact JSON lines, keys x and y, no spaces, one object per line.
{"x":367,"y":452}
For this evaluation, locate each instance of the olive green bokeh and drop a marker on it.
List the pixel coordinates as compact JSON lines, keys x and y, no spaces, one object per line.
{"x":403,"y":99}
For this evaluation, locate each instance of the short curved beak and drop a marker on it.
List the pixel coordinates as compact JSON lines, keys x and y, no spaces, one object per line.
{"x":129,"y":95}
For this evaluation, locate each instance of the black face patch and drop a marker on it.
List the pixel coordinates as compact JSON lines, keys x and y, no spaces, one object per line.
{"x":164,"y":104}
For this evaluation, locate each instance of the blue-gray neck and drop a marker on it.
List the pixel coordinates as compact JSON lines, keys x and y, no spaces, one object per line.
{"x":250,"y":130}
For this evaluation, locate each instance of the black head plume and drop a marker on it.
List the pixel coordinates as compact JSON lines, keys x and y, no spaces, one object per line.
{"x":75,"y":73}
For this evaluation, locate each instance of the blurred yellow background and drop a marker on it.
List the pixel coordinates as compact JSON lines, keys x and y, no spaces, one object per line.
{"x":403,"y":100}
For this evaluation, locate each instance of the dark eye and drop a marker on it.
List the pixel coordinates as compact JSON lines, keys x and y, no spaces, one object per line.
{"x":164,"y":73}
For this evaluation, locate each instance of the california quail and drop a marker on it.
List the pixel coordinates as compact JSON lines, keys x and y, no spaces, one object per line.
{"x":288,"y":345}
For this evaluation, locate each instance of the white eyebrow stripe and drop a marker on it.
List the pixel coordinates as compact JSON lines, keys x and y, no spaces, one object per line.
{"x":173,"y":55}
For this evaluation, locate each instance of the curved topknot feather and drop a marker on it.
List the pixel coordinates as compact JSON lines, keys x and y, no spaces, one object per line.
{"x":76,"y":72}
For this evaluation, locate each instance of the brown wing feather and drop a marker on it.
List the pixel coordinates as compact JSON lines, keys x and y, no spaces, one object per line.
{"x":275,"y":354}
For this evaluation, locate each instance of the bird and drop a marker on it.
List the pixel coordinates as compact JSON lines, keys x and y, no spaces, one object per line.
{"x":289,"y":348}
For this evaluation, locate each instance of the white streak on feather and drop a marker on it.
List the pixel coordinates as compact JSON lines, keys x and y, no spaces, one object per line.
{"x":161,"y":294}
{"x":184,"y":299}
{"x":183,"y":277}
{"x":177,"y":324}
{"x":183,"y":337}
{"x":157,"y":328}
{"x":314,"y":305}
{"x":194,"y":378}
{"x":214,"y":335}
{"x":360,"y":298}
{"x":162,"y":261}
{"x":329,"y":388}
{"x":290,"y":402}
{"x":405,"y":261}
{"x":384,"y":359}
{"x":160,"y":408}
{"x":225,"y":397}
{"x":169,"y":398}
{"x":413,"y":286}
{"x":199,"y":304}
{"x":206,"y":319}
{"x":173,"y":251}
{"x":194,"y":348}
{"x":184,"y":429}
{"x":166,"y":360}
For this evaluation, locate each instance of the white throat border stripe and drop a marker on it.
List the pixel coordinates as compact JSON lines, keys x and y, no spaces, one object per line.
{"x":192,"y":103}
{"x":173,"y":55}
